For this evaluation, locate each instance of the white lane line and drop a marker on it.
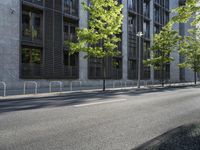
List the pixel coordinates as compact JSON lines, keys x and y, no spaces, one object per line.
{"x":98,"y":103}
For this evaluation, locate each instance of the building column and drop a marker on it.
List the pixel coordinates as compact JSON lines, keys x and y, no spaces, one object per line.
{"x":9,"y":41}
{"x":124,"y":41}
{"x":174,"y":69}
{"x":83,"y":62}
{"x":151,"y":35}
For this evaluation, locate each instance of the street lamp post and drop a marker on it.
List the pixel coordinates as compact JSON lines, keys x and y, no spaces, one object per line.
{"x":139,"y":34}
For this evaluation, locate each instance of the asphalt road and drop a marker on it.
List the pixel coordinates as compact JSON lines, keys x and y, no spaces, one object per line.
{"x":111,"y":121}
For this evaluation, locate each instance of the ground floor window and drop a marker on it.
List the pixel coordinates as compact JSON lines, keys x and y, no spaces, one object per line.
{"x":31,"y":62}
{"x":71,"y":65}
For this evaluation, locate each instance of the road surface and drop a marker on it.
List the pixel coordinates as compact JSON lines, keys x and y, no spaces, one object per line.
{"x":96,"y":121}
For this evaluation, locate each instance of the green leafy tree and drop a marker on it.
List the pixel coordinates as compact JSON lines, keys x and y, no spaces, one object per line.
{"x":164,"y":43}
{"x":101,"y":38}
{"x":190,"y":50}
{"x":189,"y":11}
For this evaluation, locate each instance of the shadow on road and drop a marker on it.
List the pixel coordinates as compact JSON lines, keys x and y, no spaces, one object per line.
{"x":67,"y":99}
{"x":185,"y":137}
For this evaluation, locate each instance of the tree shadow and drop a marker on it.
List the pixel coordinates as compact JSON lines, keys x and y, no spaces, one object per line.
{"x":71,"y":99}
{"x":186,"y":137}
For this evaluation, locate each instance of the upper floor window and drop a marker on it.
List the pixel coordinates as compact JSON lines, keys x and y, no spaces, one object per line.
{"x":132,"y":24}
{"x":156,"y":29}
{"x":71,"y":7}
{"x":146,"y":29}
{"x":132,"y":4}
{"x":167,"y":4}
{"x":146,"y":9}
{"x":31,"y":25}
{"x":70,"y":33}
{"x":166,"y":17}
{"x":156,"y":14}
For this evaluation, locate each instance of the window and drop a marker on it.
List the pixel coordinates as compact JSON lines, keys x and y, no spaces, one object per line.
{"x":132,"y":5}
{"x":132,"y":71}
{"x":31,"y":56}
{"x":146,"y":51}
{"x":146,"y":29}
{"x":146,"y":9}
{"x":31,"y":25}
{"x":167,"y":4}
{"x":132,"y":24}
{"x":166,"y":18}
{"x":71,"y":7}
{"x":156,"y":14}
{"x":156,"y":29}
{"x":132,"y":36}
{"x":31,"y":62}
{"x":71,"y":62}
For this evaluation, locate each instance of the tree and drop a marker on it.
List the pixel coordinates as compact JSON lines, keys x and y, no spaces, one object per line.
{"x":101,"y":39}
{"x":190,"y":50}
{"x":164,"y":43}
{"x":189,"y":11}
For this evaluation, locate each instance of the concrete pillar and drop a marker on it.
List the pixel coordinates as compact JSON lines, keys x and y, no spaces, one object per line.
{"x":174,"y":69}
{"x":151,"y":33}
{"x":125,"y":40}
{"x":83,"y":23}
{"x":9,"y":41}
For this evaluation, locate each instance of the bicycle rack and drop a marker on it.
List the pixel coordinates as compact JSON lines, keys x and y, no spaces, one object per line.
{"x":71,"y":84}
{"x":33,"y":82}
{"x":149,"y":83}
{"x":131,"y":83}
{"x":4,"y":88}
{"x":114,"y":83}
{"x":50,"y":85}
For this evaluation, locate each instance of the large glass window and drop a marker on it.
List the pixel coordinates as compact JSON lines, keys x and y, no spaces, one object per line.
{"x":71,"y":62}
{"x":132,"y":71}
{"x":156,"y":14}
{"x":31,"y":62}
{"x":146,"y":8}
{"x":146,"y":29}
{"x":146,"y":55}
{"x":31,"y":55}
{"x":132,"y":36}
{"x":31,"y":25}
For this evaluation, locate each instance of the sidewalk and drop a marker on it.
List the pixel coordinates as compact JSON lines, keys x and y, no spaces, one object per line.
{"x":18,"y":94}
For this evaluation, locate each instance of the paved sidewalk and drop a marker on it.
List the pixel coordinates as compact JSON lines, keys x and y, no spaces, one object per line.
{"x":186,"y":137}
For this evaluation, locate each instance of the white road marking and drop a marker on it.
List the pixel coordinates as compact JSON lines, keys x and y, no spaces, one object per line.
{"x":98,"y":103}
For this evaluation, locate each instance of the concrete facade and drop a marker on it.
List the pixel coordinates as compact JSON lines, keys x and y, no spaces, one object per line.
{"x":10,"y":17}
{"x":9,"y":41}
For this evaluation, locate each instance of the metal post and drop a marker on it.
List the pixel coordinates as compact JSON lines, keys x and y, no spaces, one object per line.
{"x":139,"y":35}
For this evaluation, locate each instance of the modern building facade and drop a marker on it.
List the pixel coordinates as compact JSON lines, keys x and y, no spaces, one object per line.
{"x":34,"y":34}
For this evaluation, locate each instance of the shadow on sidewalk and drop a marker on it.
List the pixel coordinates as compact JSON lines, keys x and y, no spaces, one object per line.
{"x":185,"y":137}
{"x":72,"y":99}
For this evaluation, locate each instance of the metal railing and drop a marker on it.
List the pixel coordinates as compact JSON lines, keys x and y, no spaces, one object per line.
{"x":132,"y":83}
{"x":4,"y":88}
{"x":71,"y":84}
{"x":32,"y":82}
{"x":121,"y":83}
{"x":60,"y":85}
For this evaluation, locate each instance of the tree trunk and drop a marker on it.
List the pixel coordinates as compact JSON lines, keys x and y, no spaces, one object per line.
{"x":104,"y":75}
{"x":195,"y":77}
{"x":162,"y":76}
